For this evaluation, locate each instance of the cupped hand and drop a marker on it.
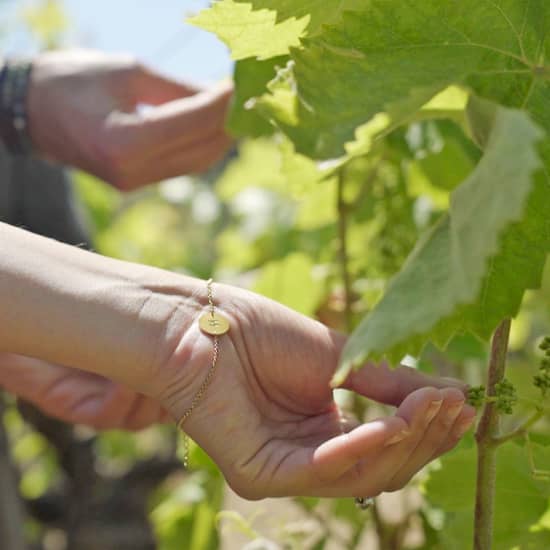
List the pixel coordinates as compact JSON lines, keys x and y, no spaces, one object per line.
{"x":269,"y":419}
{"x":76,"y":396}
{"x":83,"y":112}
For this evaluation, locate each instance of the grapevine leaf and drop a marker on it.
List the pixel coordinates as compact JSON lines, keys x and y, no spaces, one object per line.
{"x":394,"y":55}
{"x":249,"y":32}
{"x":319,"y":13}
{"x":446,"y":285}
{"x":267,"y":28}
{"x":518,"y":266}
{"x":520,"y":500}
{"x":251,"y":78}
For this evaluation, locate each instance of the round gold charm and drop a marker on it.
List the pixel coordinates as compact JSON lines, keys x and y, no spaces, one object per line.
{"x":214,"y":324}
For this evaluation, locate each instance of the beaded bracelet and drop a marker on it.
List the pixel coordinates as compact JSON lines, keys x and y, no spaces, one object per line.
{"x":14,"y":125}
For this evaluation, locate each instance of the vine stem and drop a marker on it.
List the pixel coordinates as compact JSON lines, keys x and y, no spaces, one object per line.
{"x":522,"y":429}
{"x":343,"y":211}
{"x":486,"y":438}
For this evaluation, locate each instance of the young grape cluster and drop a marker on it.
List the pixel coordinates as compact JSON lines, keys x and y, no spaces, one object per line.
{"x":506,"y":396}
{"x":542,"y":378}
{"x":476,"y":396}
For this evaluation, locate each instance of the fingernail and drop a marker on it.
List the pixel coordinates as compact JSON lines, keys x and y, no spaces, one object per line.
{"x":452,"y":412}
{"x":465,"y":426}
{"x":397,"y":438}
{"x":433,"y":410}
{"x":453,"y":382}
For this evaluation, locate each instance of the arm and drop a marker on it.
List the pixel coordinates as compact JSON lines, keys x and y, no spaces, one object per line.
{"x":268,"y":418}
{"x":73,"y":307}
{"x":82,"y":110}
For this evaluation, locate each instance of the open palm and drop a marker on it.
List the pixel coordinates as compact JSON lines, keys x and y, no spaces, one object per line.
{"x":269,"y":419}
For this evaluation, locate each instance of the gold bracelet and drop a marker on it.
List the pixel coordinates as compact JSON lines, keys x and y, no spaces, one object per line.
{"x":214,"y":324}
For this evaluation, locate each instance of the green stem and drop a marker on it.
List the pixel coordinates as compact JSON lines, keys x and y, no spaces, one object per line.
{"x":486,"y":446}
{"x":343,"y":211}
{"x":381,"y":528}
{"x":521,"y":430}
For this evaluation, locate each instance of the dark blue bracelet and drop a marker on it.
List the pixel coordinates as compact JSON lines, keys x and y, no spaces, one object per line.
{"x":3,"y":72}
{"x":14,"y":127}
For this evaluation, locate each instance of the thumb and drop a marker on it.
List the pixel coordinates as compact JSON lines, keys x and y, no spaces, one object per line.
{"x":390,"y":385}
{"x":152,"y":88}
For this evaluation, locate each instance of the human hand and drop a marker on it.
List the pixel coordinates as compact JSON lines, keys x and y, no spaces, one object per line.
{"x":76,"y":396}
{"x":82,"y":112}
{"x":269,"y":419}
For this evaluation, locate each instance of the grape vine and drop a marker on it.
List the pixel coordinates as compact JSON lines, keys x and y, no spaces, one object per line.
{"x":450,"y":127}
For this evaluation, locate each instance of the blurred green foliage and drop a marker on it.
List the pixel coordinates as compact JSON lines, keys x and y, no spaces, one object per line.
{"x":270,"y":222}
{"x":46,"y":21}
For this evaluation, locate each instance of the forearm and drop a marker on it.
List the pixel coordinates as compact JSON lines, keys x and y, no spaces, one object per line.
{"x":72,"y":307}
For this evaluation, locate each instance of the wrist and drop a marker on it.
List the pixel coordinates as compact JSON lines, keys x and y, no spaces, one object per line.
{"x":186,"y":368}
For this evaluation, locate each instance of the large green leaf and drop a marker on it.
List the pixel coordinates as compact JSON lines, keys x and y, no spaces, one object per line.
{"x":268,"y":28}
{"x":471,"y":270}
{"x":265,"y":30}
{"x":318,"y":13}
{"x":395,"y":54}
{"x":251,"y":78}
{"x":519,"y":504}
{"x":249,"y":32}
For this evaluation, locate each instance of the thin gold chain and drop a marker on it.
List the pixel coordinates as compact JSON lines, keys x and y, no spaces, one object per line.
{"x":204,"y":386}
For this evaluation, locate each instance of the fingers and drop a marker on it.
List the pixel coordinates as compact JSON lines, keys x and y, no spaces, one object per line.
{"x":462,"y":425}
{"x":384,"y":467}
{"x":180,"y":137}
{"x":194,"y":160}
{"x":47,"y":385}
{"x":338,"y":455}
{"x":59,"y":391}
{"x":153,"y":88}
{"x":116,"y":407}
{"x":145,"y":413}
{"x":436,"y":433}
{"x":177,"y":122}
{"x":391,"y":386}
{"x":76,"y":396}
{"x":376,"y":471}
{"x":385,"y":384}
{"x":138,"y":413}
{"x":108,"y":410}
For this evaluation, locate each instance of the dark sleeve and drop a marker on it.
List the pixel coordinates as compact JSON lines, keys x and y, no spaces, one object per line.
{"x":38,"y":196}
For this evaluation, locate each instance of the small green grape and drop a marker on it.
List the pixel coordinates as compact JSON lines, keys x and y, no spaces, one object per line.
{"x":476,"y":396}
{"x":542,"y":379}
{"x":545,"y":345}
{"x":506,"y":396}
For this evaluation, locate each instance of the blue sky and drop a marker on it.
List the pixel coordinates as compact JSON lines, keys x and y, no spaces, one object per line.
{"x":153,"y":30}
